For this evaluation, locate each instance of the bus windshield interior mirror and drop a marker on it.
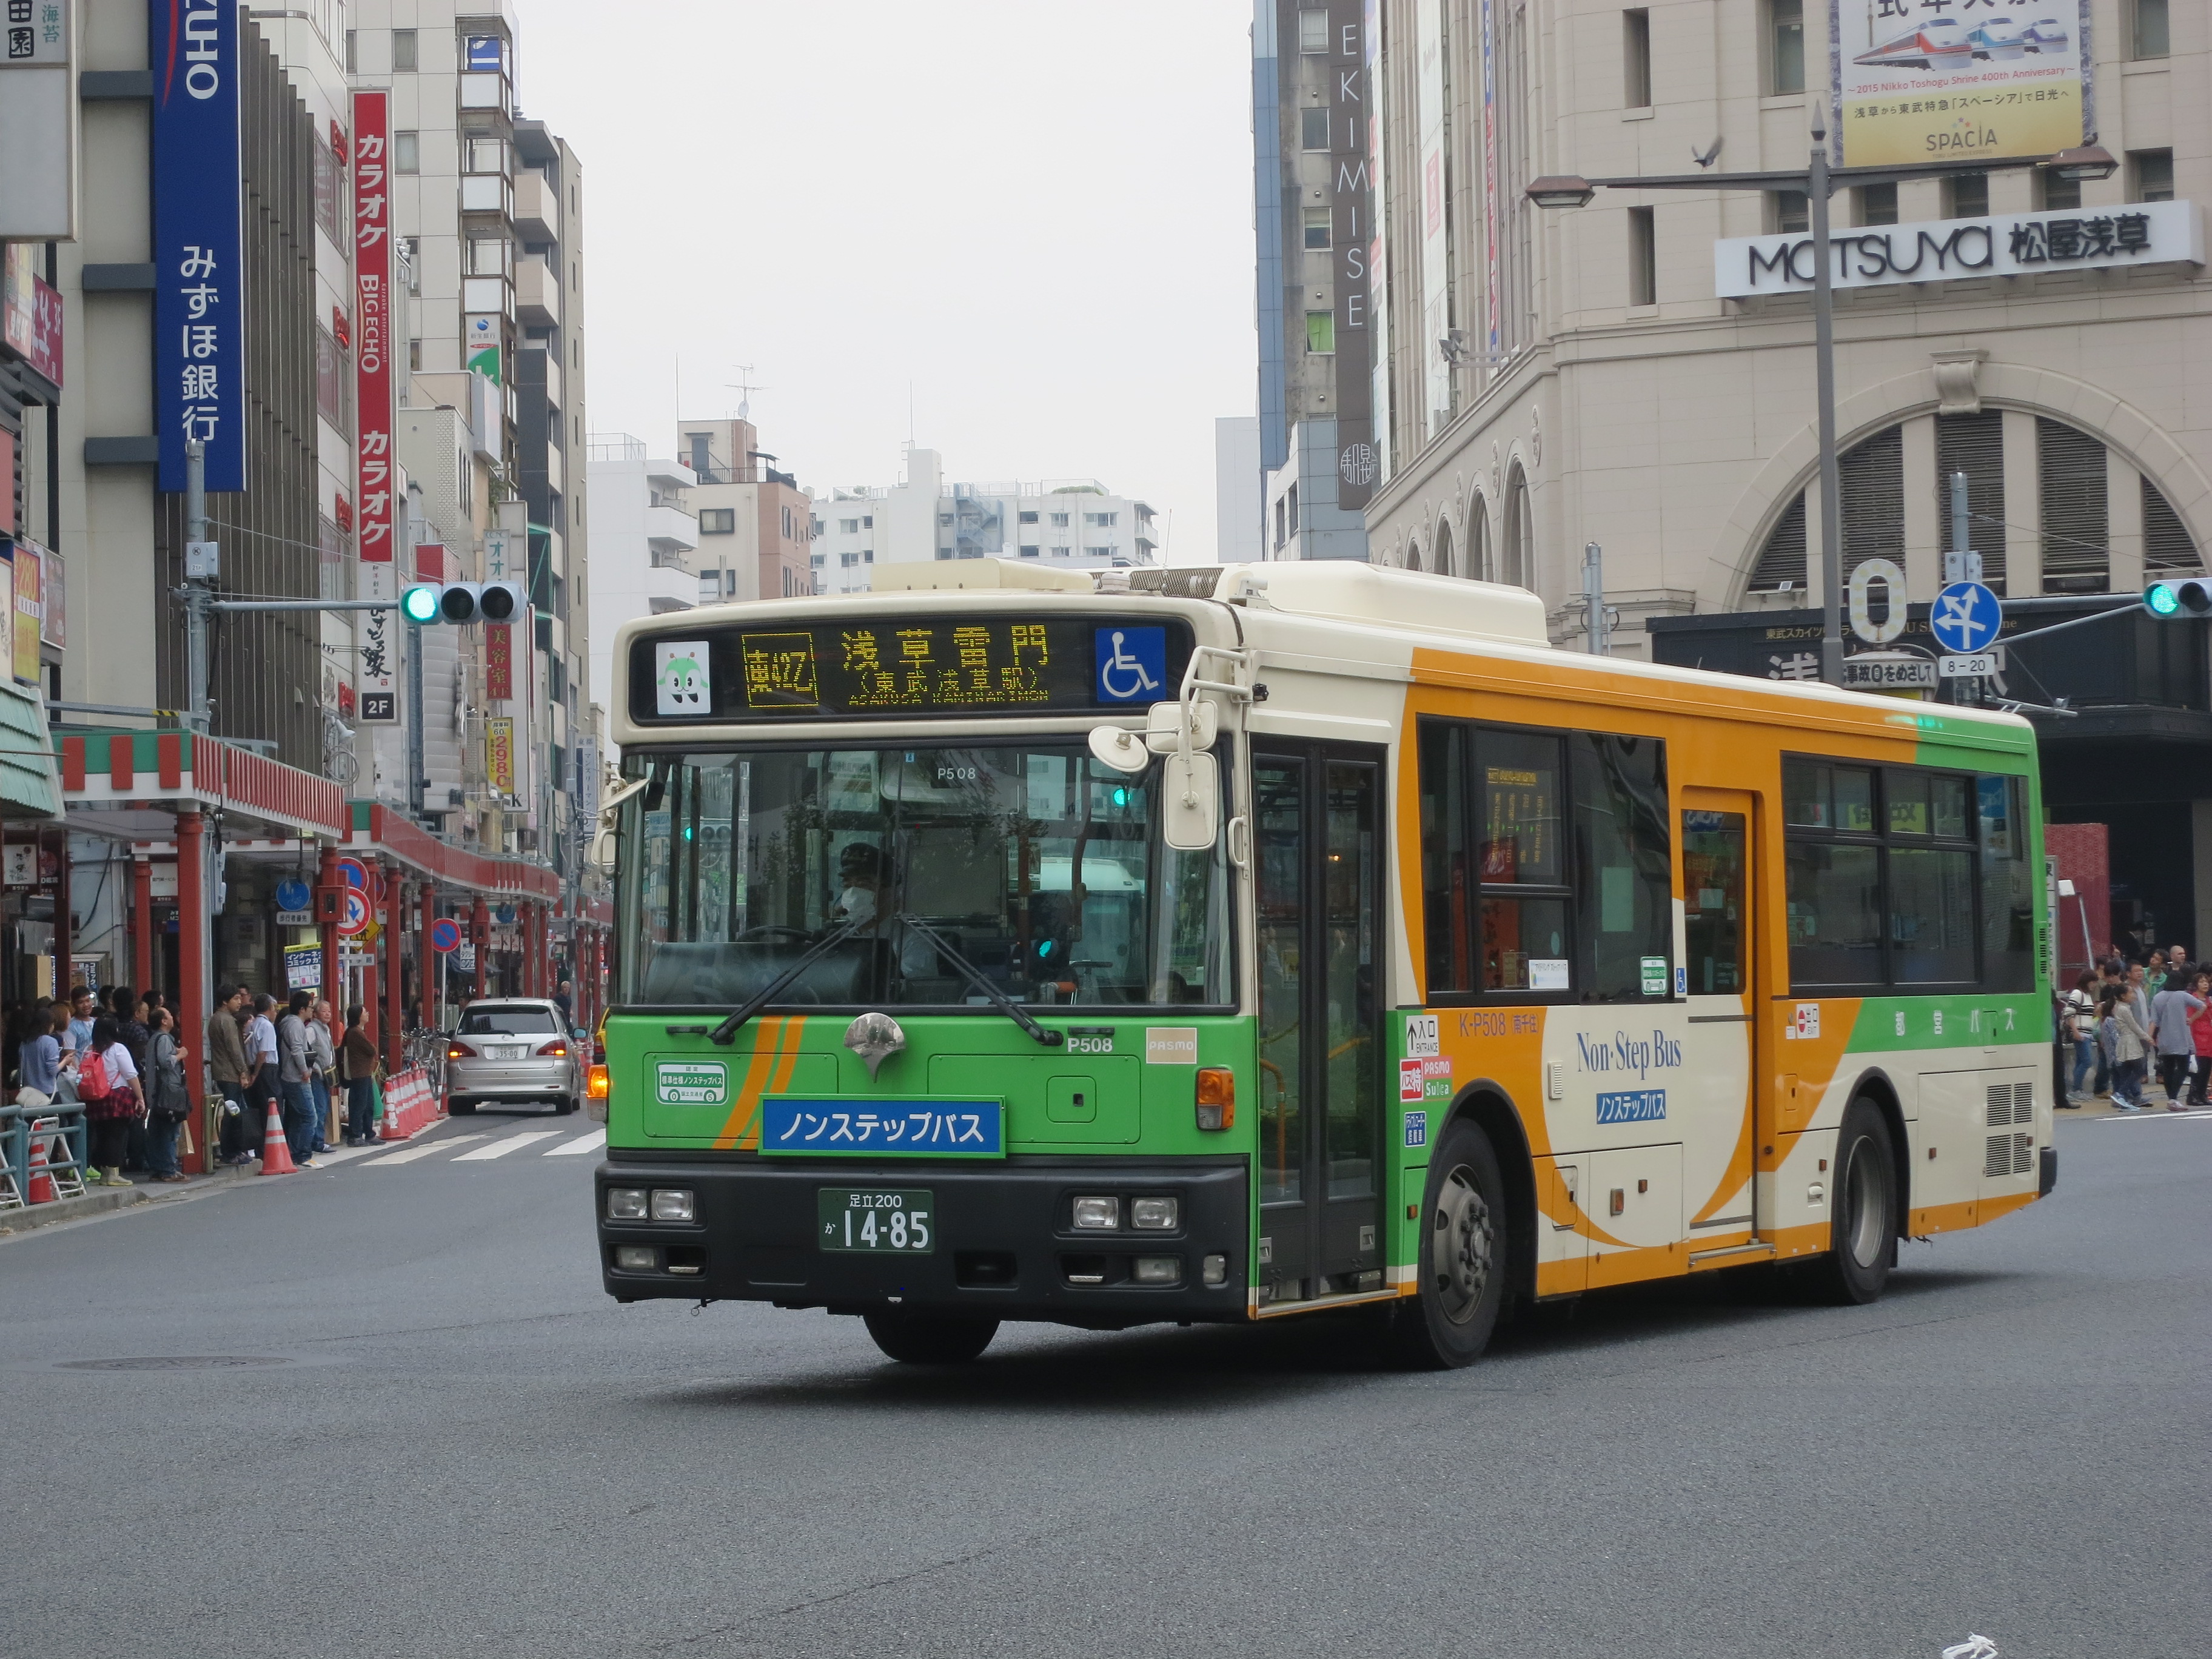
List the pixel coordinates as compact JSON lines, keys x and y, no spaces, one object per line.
{"x":1190,"y":801}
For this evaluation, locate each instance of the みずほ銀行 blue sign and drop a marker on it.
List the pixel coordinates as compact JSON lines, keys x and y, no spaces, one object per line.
{"x":199,"y":321}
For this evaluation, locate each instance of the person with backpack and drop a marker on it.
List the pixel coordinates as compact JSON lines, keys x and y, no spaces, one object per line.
{"x":108,"y":1083}
{"x":169,"y":1102}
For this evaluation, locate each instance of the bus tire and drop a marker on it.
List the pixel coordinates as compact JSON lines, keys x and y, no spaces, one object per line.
{"x":1461,"y":1270}
{"x":1861,"y":1211}
{"x":930,"y":1338}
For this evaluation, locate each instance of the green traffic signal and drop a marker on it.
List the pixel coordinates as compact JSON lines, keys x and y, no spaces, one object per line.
{"x":419,"y":604}
{"x":2184,"y":599}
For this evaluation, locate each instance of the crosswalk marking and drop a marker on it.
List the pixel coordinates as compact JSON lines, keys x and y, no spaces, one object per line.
{"x":423,"y":1151}
{"x":501,"y":1148}
{"x":590,"y":1143}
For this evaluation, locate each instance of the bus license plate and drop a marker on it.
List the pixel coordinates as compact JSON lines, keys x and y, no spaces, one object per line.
{"x":899,"y":1222}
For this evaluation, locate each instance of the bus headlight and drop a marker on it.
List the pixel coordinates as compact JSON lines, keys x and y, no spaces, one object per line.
{"x":625,"y":1203}
{"x":637,"y":1258}
{"x":1155,"y":1215}
{"x":1158,"y":1270}
{"x":672,"y":1204}
{"x":1098,"y":1214}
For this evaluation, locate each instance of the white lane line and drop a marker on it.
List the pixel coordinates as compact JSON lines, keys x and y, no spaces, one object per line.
{"x":590,"y":1143}
{"x":423,"y":1151}
{"x":2154,"y":1115}
{"x":512,"y":1143}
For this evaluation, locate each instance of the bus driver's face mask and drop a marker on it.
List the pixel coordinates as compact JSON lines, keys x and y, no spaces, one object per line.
{"x":859,"y":904}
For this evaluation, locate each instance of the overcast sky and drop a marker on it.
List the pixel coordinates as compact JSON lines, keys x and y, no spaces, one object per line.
{"x":1036,"y":213}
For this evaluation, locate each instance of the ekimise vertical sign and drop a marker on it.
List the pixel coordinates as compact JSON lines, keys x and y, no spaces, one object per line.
{"x":376,"y":487}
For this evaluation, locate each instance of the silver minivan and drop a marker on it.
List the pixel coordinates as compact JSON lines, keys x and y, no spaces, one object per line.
{"x":512,"y":1051}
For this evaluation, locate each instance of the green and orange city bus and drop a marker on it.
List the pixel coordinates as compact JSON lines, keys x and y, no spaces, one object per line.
{"x":1234,"y":943}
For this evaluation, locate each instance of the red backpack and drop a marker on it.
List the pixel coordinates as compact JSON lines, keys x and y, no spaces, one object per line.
{"x":93,"y":1082}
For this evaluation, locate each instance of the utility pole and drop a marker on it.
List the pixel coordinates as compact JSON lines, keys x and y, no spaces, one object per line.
{"x":415,"y":779}
{"x":1598,"y":642}
{"x":1824,"y":374}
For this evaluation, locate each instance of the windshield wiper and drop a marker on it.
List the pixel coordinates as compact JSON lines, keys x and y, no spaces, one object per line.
{"x":970,"y":971}
{"x":726,"y":1032}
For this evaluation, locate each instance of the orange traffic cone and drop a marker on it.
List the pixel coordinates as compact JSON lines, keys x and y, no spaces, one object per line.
{"x":42,"y":1184}
{"x":276,"y":1154}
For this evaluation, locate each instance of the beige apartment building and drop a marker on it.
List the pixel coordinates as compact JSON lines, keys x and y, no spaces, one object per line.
{"x":1639,"y":372}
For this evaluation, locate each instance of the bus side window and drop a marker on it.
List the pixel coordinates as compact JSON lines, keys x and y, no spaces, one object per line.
{"x":1447,"y":901}
{"x":1623,"y":863}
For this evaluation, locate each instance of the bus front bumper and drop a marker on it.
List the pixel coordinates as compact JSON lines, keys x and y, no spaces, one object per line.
{"x":1002,"y":1245}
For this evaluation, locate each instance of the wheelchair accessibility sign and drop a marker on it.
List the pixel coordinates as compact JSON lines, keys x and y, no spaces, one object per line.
{"x":1132,"y":664}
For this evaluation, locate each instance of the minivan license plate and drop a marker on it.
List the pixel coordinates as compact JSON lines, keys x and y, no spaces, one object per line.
{"x":871,"y":1220}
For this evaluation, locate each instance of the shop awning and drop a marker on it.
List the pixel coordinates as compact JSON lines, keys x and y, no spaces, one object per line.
{"x":27,"y":787}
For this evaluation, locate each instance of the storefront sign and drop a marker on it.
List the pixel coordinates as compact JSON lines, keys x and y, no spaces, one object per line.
{"x":31,"y":311}
{"x":53,"y":599}
{"x":1915,"y":81}
{"x":28,"y":613}
{"x":378,"y":514}
{"x":38,"y":94}
{"x":499,"y":754}
{"x":199,"y":298}
{"x":1957,"y":249}
{"x":499,"y":660}
{"x":303,"y":966}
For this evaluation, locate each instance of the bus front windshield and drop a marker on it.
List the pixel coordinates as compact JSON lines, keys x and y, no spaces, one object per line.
{"x":1041,"y":869}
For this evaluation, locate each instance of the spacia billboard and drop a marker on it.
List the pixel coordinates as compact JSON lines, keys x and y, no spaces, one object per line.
{"x":1918,"y":81}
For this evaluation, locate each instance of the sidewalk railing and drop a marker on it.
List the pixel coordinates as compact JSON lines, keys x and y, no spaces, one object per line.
{"x":16,"y":1124}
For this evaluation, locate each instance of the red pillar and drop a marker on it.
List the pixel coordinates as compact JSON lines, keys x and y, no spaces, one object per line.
{"x":64,"y":938}
{"x":333,"y":980}
{"x":429,"y":968}
{"x":394,"y":896}
{"x":480,"y":931}
{"x":142,"y":924}
{"x":192,"y":1008}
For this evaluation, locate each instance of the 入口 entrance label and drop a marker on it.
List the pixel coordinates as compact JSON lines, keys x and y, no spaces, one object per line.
{"x":1171,"y":1045}
{"x":1423,"y":1040}
{"x":691,"y":1083}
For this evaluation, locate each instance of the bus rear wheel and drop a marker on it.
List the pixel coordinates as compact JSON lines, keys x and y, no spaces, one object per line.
{"x":1862,"y":1212}
{"x":1462,"y":1265}
{"x":930,"y":1338}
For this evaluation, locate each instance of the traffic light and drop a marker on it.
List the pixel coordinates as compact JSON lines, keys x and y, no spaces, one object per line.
{"x":2186,"y":600}
{"x":425,"y":603}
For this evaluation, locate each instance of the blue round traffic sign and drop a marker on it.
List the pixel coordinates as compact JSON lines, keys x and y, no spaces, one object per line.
{"x":293,"y":895}
{"x":444,"y":935}
{"x":1965,"y":618}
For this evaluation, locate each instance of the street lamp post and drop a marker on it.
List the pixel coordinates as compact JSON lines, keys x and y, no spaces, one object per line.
{"x":1820,"y":181}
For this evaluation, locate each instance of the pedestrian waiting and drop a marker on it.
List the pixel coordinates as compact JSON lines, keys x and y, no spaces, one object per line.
{"x":294,"y":1077}
{"x":108,"y":1083}
{"x":358,"y":1056}
{"x":2077,"y":1021}
{"x":167,"y":1101}
{"x":226,"y":1055}
{"x":2171,"y":1011}
{"x":2125,"y":1043}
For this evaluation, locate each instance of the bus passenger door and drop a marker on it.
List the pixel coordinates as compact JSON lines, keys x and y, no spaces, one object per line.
{"x":1318,"y":887}
{"x":1719,"y":959}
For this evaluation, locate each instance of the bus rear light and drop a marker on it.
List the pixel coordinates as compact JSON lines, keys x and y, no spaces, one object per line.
{"x":1216,"y":1098}
{"x":595,"y":1083}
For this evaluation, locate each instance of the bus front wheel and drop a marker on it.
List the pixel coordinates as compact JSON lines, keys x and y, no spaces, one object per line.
{"x":1862,"y":1211}
{"x":930,"y":1338}
{"x":1463,"y":1262}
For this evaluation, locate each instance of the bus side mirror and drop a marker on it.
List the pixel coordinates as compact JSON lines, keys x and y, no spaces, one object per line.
{"x":1190,"y":801}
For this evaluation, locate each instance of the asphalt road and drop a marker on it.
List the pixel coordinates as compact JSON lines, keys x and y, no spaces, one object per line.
{"x":466,"y":1450}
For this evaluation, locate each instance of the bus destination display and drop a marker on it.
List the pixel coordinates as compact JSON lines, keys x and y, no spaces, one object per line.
{"x":905,"y":667}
